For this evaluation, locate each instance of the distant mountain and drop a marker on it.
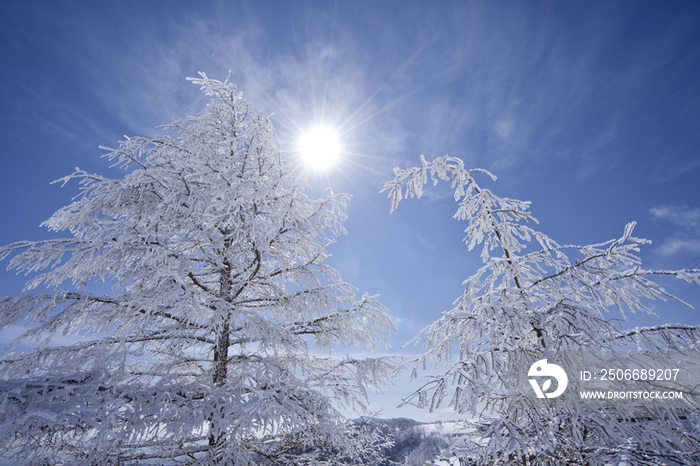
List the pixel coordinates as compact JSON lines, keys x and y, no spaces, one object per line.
{"x":413,"y":444}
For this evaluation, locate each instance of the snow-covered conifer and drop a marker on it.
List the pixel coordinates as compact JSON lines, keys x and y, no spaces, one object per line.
{"x":549,"y":300}
{"x":214,"y":346}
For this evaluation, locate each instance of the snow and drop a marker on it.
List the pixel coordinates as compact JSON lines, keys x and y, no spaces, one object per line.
{"x":554,"y":299}
{"x":214,"y":344}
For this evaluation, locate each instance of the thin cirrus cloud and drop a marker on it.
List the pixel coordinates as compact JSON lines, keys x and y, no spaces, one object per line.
{"x":687,"y":239}
{"x":524,"y":93}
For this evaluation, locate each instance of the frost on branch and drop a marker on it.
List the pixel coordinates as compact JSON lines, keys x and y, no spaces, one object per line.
{"x":214,"y":345}
{"x":548,"y":299}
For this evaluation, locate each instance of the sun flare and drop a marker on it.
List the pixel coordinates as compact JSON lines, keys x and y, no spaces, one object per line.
{"x":319,"y":148}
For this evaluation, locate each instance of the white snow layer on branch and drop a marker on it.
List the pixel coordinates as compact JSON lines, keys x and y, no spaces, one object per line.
{"x":555,"y":299}
{"x":207,"y":349}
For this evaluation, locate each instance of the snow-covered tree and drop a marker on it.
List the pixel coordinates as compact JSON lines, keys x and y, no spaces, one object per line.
{"x":214,"y":345}
{"x":549,"y":300}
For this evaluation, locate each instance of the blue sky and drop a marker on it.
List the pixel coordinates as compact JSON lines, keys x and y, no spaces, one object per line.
{"x":591,"y":110}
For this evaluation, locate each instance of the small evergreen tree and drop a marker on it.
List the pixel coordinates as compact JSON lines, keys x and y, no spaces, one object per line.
{"x":542,"y":301}
{"x":214,"y":346}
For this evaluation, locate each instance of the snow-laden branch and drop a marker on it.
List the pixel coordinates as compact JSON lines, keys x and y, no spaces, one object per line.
{"x":551,"y":300}
{"x":205,"y":350}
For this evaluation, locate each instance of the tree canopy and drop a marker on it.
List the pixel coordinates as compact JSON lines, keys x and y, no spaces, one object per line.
{"x":551,"y":300}
{"x":215,"y":343}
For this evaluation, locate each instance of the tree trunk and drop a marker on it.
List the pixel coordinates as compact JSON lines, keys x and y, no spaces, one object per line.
{"x":216,"y":434}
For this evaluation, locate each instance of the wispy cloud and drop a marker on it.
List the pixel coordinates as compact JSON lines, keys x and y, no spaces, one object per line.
{"x":687,"y":239}
{"x":669,"y":167}
{"x":682,"y":216}
{"x":678,"y":245}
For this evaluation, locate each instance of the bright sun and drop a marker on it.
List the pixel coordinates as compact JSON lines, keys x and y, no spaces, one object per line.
{"x":319,"y":148}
